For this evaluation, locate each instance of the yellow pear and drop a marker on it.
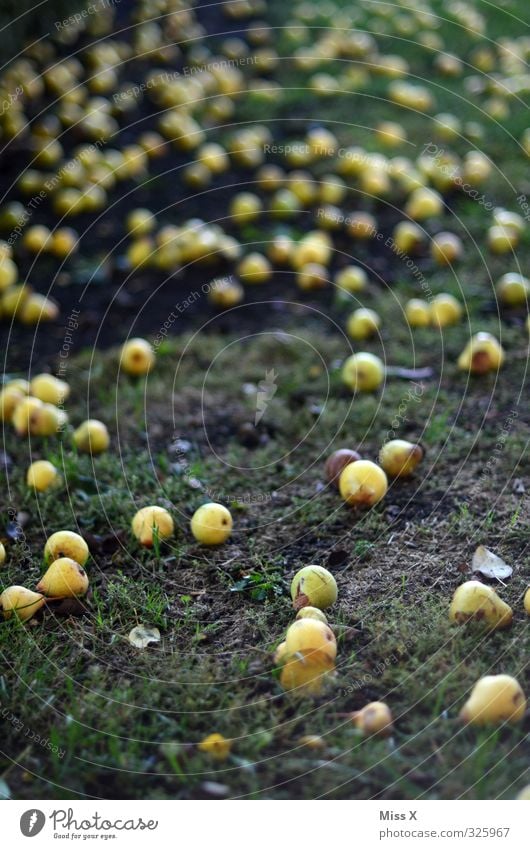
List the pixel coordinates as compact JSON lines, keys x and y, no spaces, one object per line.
{"x":399,"y":458}
{"x":24,"y":603}
{"x":66,"y":544}
{"x":482,"y":353}
{"x":137,"y":357}
{"x":363,"y":372}
{"x":49,"y":389}
{"x":312,"y":613}
{"x":211,"y":524}
{"x":494,"y":699}
{"x":10,"y":398}
{"x":363,"y":483}
{"x":312,"y":637}
{"x":474,"y":601}
{"x":313,"y":587}
{"x":64,"y":579}
{"x":26,"y":415}
{"x":374,"y":719}
{"x":149,"y":520}
{"x":307,"y":673}
{"x":41,"y":475}
{"x":91,"y":437}
{"x":418,"y":313}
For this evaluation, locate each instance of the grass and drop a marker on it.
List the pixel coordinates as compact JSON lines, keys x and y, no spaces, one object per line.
{"x":119,"y":711}
{"x":114,"y":721}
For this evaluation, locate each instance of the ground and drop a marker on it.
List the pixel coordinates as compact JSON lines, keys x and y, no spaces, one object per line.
{"x":114,"y":721}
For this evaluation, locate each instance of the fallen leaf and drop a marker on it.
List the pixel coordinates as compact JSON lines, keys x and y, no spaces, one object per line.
{"x":142,"y":635}
{"x":489,"y":565}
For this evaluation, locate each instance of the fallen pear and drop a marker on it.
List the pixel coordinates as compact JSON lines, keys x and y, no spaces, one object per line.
{"x":66,"y":544}
{"x":399,"y":458}
{"x":494,"y":699}
{"x":375,"y":719}
{"x":20,"y":601}
{"x":150,"y":522}
{"x":64,"y":579}
{"x":474,"y":601}
{"x":91,"y":437}
{"x":307,"y":673}
{"x":337,"y":461}
{"x":482,"y":353}
{"x":312,"y":613}
{"x":313,"y":586}
{"x":363,"y":484}
{"x":311,"y":637}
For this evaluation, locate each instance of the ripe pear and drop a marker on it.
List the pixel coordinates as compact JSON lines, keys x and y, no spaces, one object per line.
{"x":26,"y":416}
{"x":91,"y":437}
{"x":37,"y":308}
{"x":313,"y":586}
{"x":307,"y":673}
{"x":482,"y":353}
{"x":494,"y":699}
{"x":363,"y":484}
{"x":399,"y":458}
{"x":363,"y":323}
{"x":66,"y":544}
{"x":211,"y":524}
{"x":446,"y":248}
{"x":312,"y":637}
{"x":478,"y":602}
{"x":513,"y":289}
{"x":363,"y":372}
{"x":137,"y":357}
{"x":64,"y":579}
{"x":225,"y":293}
{"x":279,"y":654}
{"x":418,"y":313}
{"x":312,"y":613}
{"x":352,"y":278}
{"x":527,"y":601}
{"x":20,"y":384}
{"x":41,"y":475}
{"x":445,"y":310}
{"x":10,"y":398}
{"x":375,"y":719}
{"x":49,"y":389}
{"x":49,"y":420}
{"x":2,"y":554}
{"x":254,"y":268}
{"x":24,"y":603}
{"x":150,"y":519}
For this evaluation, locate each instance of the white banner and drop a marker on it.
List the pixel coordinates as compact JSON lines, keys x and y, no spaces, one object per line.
{"x":262,"y":824}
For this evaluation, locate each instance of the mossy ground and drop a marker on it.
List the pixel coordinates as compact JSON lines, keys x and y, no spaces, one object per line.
{"x":125,"y":721}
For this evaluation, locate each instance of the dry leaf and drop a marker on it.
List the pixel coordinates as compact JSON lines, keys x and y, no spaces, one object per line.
{"x":142,"y":635}
{"x":489,"y":565}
